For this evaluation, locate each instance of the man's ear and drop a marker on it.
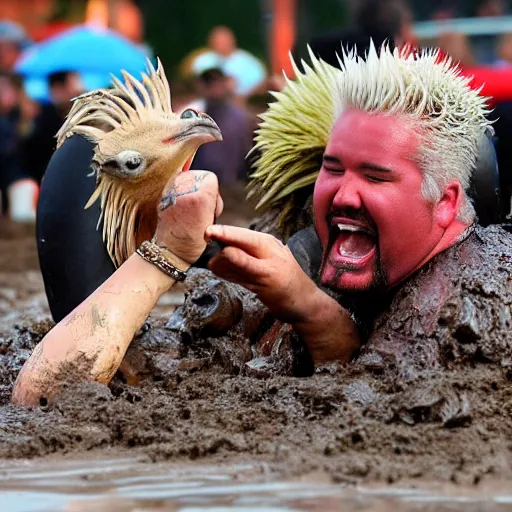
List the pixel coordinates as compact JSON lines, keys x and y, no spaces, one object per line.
{"x":447,"y":208}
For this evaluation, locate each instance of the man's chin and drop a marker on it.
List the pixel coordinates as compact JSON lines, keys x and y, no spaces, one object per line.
{"x":347,"y":280}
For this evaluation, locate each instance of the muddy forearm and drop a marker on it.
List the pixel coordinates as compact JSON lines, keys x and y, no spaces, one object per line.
{"x":90,"y":342}
{"x":327,"y":330}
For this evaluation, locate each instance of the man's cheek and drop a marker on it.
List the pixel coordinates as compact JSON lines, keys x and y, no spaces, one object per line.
{"x":322,"y":227}
{"x":322,"y":200}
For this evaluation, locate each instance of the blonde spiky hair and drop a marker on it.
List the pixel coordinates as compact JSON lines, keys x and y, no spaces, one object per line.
{"x":419,"y":86}
{"x":291,"y":140}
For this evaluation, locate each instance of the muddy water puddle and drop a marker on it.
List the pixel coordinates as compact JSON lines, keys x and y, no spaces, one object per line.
{"x":130,"y":484}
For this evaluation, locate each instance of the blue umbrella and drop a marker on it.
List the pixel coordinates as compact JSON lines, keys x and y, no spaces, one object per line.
{"x":37,"y":88}
{"x":84,"y":49}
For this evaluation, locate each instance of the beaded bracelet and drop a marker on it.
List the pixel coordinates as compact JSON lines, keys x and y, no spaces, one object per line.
{"x":154,"y":254}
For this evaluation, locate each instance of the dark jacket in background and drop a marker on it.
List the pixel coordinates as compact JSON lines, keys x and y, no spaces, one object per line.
{"x":40,"y":144}
{"x":11,"y":165}
{"x":503,"y":127}
{"x":327,"y":46}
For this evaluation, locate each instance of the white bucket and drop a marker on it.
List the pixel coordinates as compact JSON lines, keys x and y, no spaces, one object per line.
{"x":22,"y":199}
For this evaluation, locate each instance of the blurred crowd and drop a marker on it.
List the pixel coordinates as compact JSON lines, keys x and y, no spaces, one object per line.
{"x":223,"y":80}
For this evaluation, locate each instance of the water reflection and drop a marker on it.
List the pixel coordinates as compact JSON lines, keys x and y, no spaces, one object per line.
{"x":124,"y":485}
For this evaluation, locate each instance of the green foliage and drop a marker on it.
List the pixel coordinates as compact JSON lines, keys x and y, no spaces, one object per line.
{"x":70,"y":10}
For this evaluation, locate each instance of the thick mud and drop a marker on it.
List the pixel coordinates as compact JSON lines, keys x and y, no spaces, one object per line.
{"x":430,"y":397}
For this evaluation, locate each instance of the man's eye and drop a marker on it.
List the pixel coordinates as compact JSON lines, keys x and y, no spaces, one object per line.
{"x":334,"y":170}
{"x":376,"y":179}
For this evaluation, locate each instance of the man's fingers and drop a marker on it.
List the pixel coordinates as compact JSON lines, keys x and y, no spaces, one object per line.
{"x":252,"y":242}
{"x":236,"y":265}
{"x":219,"y":207}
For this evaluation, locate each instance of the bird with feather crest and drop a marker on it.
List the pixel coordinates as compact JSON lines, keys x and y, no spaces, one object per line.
{"x":139,"y":145}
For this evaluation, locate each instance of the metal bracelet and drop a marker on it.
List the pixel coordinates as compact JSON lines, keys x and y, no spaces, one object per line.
{"x":155,"y":255}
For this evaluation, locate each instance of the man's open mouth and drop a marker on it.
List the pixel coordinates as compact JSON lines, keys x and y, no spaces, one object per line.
{"x":354,"y":244}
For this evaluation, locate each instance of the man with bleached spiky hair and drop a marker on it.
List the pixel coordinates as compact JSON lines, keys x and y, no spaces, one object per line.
{"x":389,"y":144}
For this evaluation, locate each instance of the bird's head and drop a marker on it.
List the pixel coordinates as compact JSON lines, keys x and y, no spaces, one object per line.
{"x":139,"y":144}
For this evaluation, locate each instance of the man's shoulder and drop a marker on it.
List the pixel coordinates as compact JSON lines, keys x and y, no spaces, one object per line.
{"x":495,"y":237}
{"x":474,"y":266}
{"x":486,"y":250}
{"x":457,"y":307}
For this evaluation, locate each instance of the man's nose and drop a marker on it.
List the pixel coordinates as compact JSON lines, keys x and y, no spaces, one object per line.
{"x":349,"y":193}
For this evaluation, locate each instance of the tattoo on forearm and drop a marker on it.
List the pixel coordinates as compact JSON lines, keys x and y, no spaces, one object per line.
{"x":170,"y":198}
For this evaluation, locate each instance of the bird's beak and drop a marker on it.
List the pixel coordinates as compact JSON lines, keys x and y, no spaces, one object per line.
{"x":201,"y":129}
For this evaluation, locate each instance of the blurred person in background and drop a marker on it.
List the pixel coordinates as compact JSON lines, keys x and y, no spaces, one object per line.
{"x":13,"y":41}
{"x":486,"y":8}
{"x":485,"y":51}
{"x":248,"y":72}
{"x":40,"y":143}
{"x":504,"y":51}
{"x":444,"y":10}
{"x":457,"y":46}
{"x":10,"y":162}
{"x":377,"y":20}
{"x":226,"y":158}
{"x":18,"y":191}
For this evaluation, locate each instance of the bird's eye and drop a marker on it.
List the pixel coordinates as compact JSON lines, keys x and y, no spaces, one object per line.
{"x":130,"y":163}
{"x":189,"y":114}
{"x":133,"y":163}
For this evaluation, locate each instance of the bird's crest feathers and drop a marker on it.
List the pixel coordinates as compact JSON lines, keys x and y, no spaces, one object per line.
{"x":124,"y":106}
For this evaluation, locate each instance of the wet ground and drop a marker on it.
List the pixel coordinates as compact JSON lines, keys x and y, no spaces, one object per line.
{"x":129,"y":484}
{"x":206,"y":436}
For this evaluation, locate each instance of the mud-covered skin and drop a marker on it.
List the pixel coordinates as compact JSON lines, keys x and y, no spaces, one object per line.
{"x":456,"y":309}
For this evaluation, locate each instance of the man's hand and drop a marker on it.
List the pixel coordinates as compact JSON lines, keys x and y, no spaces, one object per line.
{"x":190,"y":203}
{"x":262,"y":264}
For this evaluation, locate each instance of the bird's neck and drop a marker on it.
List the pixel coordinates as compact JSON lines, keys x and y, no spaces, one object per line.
{"x":147,"y":218}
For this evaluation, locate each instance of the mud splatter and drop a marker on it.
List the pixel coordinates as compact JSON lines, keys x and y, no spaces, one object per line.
{"x":432,"y":402}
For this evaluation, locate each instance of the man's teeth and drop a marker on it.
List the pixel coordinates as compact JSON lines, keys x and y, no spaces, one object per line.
{"x":355,"y":242}
{"x":349,"y":227}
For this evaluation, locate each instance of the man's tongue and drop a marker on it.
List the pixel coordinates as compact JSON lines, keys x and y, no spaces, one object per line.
{"x":354,"y":244}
